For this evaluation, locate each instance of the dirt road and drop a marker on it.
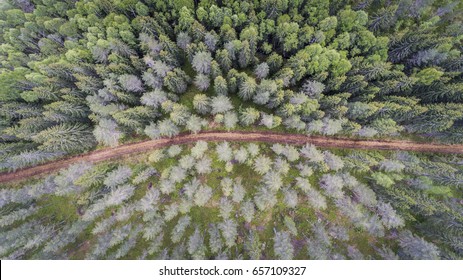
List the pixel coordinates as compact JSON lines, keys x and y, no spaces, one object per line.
{"x":269,"y":137}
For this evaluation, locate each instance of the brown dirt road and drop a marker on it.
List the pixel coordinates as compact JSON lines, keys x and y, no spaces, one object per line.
{"x":239,"y":136}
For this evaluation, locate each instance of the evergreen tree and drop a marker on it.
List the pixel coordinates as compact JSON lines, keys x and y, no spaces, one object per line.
{"x":65,"y":137}
{"x":249,"y":116}
{"x":247,"y":210}
{"x":202,"y":82}
{"x":220,"y":86}
{"x":220,"y":104}
{"x":229,"y":232}
{"x":201,"y":103}
{"x":179,"y":229}
{"x":202,"y":195}
{"x":202,"y":62}
{"x":262,"y":164}
{"x":247,"y":88}
{"x":262,"y":70}
{"x":282,"y":247}
{"x":107,"y":133}
{"x":417,"y":248}
{"x":224,"y":152}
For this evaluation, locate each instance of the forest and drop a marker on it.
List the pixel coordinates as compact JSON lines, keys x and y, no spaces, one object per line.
{"x":83,"y":75}
{"x":240,"y":201}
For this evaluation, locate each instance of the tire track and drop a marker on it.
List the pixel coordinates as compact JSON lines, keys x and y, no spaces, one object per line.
{"x":239,"y":136}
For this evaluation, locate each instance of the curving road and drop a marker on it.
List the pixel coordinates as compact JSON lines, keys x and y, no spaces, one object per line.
{"x":239,"y":136}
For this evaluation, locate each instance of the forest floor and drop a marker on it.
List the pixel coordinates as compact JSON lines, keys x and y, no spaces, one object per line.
{"x":238,"y":136}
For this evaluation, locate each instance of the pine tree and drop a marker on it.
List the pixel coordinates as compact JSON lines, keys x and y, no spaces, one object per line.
{"x":247,"y":210}
{"x":224,"y":60}
{"x":364,"y":195}
{"x":177,"y":174}
{"x":176,"y":80}
{"x":151,"y":80}
{"x":310,"y":152}
{"x":282,"y":247}
{"x":119,"y":194}
{"x":17,"y":215}
{"x":389,"y":217}
{"x":179,"y":229}
{"x":210,"y":40}
{"x":215,"y":240}
{"x":387,"y":254}
{"x":161,"y":69}
{"x":253,"y":149}
{"x":352,"y":210}
{"x":262,"y":70}
{"x":417,"y":248}
{"x":196,"y":246}
{"x":226,"y":184}
{"x":265,"y":198}
{"x":290,"y":198}
{"x":170,"y":211}
{"x":65,"y":137}
{"x":313,"y":88}
{"x":187,"y":162}
{"x":202,"y":195}
{"x":220,"y":104}
{"x":195,"y":123}
{"x":131,"y":83}
{"x":238,"y":191}
{"x":245,"y":55}
{"x":247,"y":88}
{"x":291,"y":225}
{"x":199,"y":149}
{"x":291,"y":153}
{"x":201,"y":103}
{"x":230,"y":119}
{"x":202,"y":62}
{"x":220,"y":86}
{"x":241,"y":155}
{"x":174,"y":151}
{"x":316,"y":199}
{"x":166,"y":186}
{"x":202,"y":82}
{"x":229,"y":232}
{"x":332,"y":185}
{"x":249,"y":116}
{"x":107,"y":133}
{"x":183,"y":40}
{"x":154,"y":98}
{"x":65,"y":179}
{"x":270,"y":121}
{"x":303,"y":184}
{"x":226,"y":208}
{"x":167,"y":128}
{"x":179,"y":114}
{"x":272,"y":179}
{"x":224,"y":152}
{"x":253,"y":246}
{"x":262,"y":164}
{"x":391,"y":166}
{"x":333,"y":161}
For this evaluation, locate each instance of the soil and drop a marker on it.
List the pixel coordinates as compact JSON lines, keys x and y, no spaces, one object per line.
{"x":239,"y":136}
